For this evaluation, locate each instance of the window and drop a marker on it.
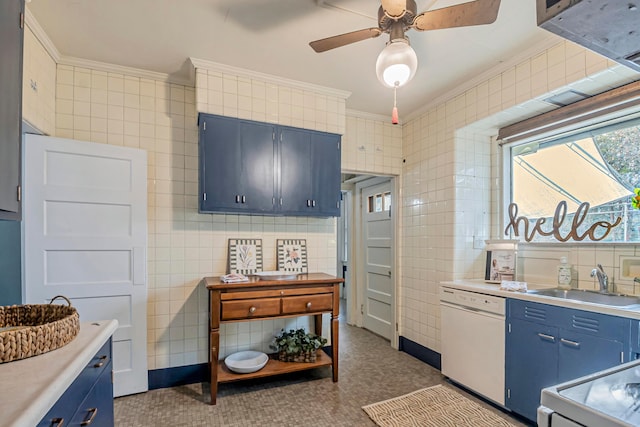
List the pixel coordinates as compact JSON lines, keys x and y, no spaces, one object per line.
{"x":379,"y":202}
{"x":600,"y":166}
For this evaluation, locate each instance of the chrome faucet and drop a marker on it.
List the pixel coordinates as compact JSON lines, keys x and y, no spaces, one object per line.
{"x":602,"y":277}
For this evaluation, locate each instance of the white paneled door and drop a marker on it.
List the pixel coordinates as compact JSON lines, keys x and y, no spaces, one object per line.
{"x":85,"y":237}
{"x":378,"y":259}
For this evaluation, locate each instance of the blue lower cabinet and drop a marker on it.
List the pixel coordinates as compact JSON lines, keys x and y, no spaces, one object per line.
{"x":88,"y":398}
{"x":531,"y":364}
{"x":547,"y":345}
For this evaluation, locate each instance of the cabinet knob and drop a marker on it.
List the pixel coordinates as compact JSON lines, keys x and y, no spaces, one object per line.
{"x":308,"y":305}
{"x":252,"y":310}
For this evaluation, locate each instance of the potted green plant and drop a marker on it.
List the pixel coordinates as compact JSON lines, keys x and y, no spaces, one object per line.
{"x":297,"y":345}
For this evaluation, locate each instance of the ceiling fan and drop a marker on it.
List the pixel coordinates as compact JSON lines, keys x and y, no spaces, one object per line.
{"x":397,"y":16}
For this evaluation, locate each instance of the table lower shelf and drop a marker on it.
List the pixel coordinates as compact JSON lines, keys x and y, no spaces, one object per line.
{"x":273,"y":367}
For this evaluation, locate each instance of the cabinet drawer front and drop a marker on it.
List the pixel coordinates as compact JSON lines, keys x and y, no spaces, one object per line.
{"x":307,"y":304}
{"x":248,"y":309}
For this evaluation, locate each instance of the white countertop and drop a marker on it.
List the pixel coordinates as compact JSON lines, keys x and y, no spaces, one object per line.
{"x":482,"y":287}
{"x":31,"y":386}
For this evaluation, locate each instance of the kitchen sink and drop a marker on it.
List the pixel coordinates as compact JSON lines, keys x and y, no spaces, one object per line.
{"x":617,"y":300}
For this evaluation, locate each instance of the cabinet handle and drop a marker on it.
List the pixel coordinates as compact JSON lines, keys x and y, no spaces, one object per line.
{"x":308,"y":305}
{"x":570,"y":343}
{"x":308,"y":203}
{"x":237,"y":198}
{"x":252,"y":310}
{"x":100,"y":364}
{"x":243,"y":199}
{"x":94,"y":412}
{"x":313,"y":203}
{"x":547,"y":337}
{"x":57,"y":422}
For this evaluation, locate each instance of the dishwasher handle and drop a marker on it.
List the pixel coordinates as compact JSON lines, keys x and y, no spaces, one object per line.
{"x":471,"y":309}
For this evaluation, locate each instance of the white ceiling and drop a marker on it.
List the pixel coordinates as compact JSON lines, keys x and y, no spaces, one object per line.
{"x":272,"y":36}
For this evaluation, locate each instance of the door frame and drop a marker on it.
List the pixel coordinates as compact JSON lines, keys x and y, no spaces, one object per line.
{"x":357,"y":252}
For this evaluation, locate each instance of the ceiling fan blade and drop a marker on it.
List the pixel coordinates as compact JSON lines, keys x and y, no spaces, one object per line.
{"x":329,"y":43}
{"x":394,"y":9}
{"x":476,"y":12}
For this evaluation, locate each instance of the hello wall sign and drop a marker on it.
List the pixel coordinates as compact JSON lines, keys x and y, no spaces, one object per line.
{"x":558,"y":219}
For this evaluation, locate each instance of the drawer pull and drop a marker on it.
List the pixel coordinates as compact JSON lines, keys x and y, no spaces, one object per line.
{"x":57,"y":422}
{"x":308,"y":305}
{"x":94,"y":412}
{"x":547,"y":337}
{"x":252,"y":310}
{"x":100,"y":364}
{"x":569,"y":342}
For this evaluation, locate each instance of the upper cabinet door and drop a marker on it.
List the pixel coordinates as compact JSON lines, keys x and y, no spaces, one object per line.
{"x":325,"y":167}
{"x":236,"y":165}
{"x":295,"y":171}
{"x":11,"y":42}
{"x":309,"y":172}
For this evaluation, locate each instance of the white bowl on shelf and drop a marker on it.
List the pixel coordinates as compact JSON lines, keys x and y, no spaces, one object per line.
{"x":245,"y":362}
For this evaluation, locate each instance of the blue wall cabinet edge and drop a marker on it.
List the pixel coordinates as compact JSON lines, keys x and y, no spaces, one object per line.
{"x":11,"y":53}
{"x":267,"y":169}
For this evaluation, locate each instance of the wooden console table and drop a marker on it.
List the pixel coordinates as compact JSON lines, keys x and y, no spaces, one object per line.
{"x":308,"y":294}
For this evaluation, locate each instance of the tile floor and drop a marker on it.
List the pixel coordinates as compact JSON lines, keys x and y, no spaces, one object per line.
{"x":370,"y":371}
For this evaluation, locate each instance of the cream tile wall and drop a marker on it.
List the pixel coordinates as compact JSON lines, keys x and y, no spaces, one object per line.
{"x":184,"y":245}
{"x":371,"y":145}
{"x":451,"y":183}
{"x":268,"y":100}
{"x":38,"y":85}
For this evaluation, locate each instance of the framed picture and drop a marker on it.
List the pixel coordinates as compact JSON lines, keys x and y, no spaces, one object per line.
{"x":244,"y":256}
{"x":501,"y":260}
{"x":292,"y":255}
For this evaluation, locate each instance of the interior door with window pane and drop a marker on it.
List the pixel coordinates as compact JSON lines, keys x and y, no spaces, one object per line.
{"x":378,"y":310}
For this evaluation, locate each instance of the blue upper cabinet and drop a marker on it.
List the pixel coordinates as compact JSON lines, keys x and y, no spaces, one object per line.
{"x":11,"y":42}
{"x":260,"y":168}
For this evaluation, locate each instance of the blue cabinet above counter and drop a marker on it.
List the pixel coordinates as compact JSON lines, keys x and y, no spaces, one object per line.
{"x":261,"y":168}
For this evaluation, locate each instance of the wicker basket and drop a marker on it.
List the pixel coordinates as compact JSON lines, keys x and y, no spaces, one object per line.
{"x":307,"y":356}
{"x":33,"y":329}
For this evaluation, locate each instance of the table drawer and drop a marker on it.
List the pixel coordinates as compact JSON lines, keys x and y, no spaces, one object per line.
{"x":248,"y":309}
{"x":307,"y":303}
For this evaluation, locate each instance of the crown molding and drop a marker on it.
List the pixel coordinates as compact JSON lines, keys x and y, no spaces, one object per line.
{"x":547,"y":43}
{"x":42,"y":37}
{"x":241,"y":72}
{"x":119,"y":69}
{"x":368,"y":116}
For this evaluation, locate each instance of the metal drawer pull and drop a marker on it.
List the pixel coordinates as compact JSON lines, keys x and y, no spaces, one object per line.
{"x":313,"y":203}
{"x":94,"y":412}
{"x":252,"y":310}
{"x":308,"y":305}
{"x":547,"y":337}
{"x":569,"y":342}
{"x":237,"y":198}
{"x":57,"y":422}
{"x":243,"y":199}
{"x":100,"y":364}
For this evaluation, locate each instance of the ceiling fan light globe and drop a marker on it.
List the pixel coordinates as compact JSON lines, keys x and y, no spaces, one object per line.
{"x":396,"y":64}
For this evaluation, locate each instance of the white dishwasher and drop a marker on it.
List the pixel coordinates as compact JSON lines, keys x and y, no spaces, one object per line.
{"x":472,"y":340}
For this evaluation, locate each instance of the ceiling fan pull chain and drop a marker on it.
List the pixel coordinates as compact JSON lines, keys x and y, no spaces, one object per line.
{"x":394,"y":112}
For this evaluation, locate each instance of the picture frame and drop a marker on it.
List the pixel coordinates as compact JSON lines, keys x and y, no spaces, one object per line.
{"x":244,"y":256}
{"x":292,"y":255}
{"x":501,"y":261}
